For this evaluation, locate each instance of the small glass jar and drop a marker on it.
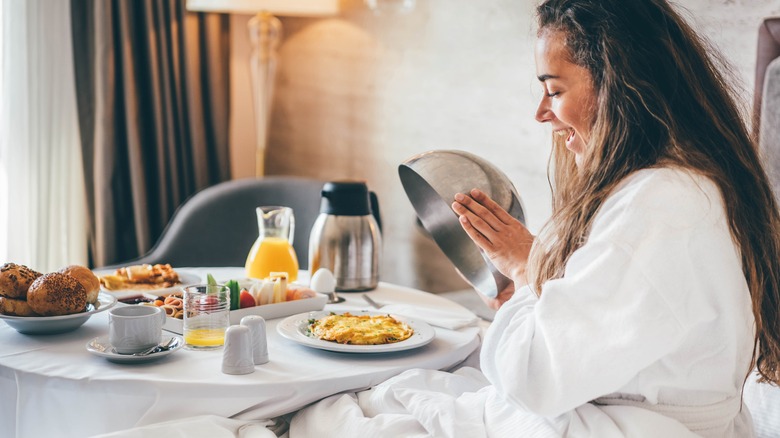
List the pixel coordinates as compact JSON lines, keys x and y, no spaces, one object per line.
{"x":206,"y":316}
{"x":273,"y":250}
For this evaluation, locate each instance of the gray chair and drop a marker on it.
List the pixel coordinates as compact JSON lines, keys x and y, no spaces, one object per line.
{"x":763,"y":400}
{"x":767,"y":51}
{"x":766,"y":121}
{"x":218,"y":225}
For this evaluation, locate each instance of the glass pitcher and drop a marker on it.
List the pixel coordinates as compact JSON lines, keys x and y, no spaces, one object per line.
{"x":273,"y":250}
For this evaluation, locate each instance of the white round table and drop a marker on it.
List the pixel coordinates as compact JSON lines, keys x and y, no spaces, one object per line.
{"x":51,"y":386}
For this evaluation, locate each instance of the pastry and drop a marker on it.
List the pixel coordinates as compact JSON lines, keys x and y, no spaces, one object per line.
{"x":56,"y":294}
{"x":136,"y":277}
{"x":13,"y":307}
{"x":87,"y":279}
{"x":15,"y":280}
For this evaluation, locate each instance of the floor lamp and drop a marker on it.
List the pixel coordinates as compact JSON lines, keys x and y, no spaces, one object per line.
{"x":265,"y":33}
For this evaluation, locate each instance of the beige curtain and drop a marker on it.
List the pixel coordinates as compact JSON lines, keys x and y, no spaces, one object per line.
{"x":153,"y":90}
{"x":42,"y":199}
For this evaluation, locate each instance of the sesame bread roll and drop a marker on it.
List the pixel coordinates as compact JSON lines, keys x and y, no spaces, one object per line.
{"x":57,"y":294}
{"x":87,"y":279}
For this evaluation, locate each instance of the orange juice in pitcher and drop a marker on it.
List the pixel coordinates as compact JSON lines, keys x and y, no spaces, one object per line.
{"x":273,"y":250}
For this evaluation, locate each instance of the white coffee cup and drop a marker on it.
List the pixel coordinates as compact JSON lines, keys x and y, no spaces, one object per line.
{"x":135,"y":328}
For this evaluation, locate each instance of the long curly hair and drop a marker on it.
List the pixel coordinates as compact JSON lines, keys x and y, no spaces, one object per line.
{"x":662,"y":98}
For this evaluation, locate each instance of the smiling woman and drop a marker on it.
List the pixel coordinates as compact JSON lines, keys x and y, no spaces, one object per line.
{"x":568,"y":102}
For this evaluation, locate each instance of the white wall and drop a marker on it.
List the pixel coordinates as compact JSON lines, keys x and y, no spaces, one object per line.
{"x":358,"y":94}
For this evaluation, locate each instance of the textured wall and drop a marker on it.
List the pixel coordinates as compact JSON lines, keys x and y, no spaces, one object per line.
{"x":358,"y":94}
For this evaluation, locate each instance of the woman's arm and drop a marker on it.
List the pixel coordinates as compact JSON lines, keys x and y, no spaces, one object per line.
{"x":586,"y":336}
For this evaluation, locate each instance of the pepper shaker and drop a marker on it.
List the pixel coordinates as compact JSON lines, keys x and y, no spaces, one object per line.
{"x":258,"y":339}
{"x":237,"y":356}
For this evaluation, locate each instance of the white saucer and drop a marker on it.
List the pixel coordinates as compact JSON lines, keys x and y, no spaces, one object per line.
{"x":101,"y":347}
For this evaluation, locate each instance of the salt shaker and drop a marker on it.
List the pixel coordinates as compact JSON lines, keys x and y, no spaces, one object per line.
{"x":237,"y":355}
{"x":257,"y":335}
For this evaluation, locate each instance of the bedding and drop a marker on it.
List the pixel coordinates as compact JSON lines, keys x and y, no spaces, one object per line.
{"x":762,"y":400}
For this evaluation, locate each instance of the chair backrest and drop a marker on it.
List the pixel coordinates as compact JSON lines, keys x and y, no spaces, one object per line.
{"x":766,"y":121}
{"x":767,"y":50}
{"x":218,"y":225}
{"x":763,"y":399}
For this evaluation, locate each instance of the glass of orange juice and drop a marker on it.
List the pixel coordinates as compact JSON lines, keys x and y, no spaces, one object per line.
{"x":206,"y":316}
{"x":273,"y":250}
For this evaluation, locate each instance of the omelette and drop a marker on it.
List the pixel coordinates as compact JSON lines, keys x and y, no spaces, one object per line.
{"x":360,"y":329}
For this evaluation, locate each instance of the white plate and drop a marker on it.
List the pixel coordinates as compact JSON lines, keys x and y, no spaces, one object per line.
{"x":49,"y":325}
{"x":295,"y":328}
{"x":101,"y":347}
{"x":185,"y":278}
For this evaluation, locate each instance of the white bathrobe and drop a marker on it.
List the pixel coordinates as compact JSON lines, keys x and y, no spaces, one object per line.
{"x":648,"y":334}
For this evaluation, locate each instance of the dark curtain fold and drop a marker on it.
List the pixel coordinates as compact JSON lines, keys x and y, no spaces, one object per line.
{"x":152,"y":82}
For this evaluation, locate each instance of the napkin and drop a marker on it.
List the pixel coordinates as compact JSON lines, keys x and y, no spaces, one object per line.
{"x":452,"y":319}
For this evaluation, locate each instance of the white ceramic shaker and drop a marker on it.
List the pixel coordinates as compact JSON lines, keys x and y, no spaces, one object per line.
{"x":258,"y":337}
{"x":237,"y":355}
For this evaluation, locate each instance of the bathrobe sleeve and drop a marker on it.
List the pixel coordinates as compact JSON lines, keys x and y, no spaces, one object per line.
{"x":629,"y":296}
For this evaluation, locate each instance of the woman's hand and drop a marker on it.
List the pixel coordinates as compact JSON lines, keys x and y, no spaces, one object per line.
{"x":503,"y":239}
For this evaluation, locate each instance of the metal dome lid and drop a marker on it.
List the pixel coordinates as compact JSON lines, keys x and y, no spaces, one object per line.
{"x":431,"y":180}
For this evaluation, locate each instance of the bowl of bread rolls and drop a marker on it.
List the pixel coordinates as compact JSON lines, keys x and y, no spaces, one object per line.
{"x":35,"y":303}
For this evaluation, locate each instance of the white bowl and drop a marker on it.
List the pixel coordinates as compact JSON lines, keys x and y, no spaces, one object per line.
{"x":49,"y":325}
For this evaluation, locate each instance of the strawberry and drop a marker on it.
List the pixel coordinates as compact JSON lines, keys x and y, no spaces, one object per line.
{"x":246,"y":299}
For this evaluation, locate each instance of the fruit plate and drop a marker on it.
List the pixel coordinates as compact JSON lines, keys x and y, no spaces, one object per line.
{"x":267,"y":311}
{"x":49,"y":325}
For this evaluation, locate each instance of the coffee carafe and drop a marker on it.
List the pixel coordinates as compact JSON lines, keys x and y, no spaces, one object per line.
{"x":346,"y":236}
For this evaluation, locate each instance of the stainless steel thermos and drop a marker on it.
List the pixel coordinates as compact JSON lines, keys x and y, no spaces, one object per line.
{"x":346,"y":236}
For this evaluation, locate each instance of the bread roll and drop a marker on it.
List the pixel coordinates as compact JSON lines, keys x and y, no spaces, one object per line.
{"x":10,"y":306}
{"x":15,"y":280}
{"x":56,"y":294}
{"x":87,"y":279}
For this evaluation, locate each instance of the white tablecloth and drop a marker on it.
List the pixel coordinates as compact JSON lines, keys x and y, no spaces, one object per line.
{"x":51,"y":386}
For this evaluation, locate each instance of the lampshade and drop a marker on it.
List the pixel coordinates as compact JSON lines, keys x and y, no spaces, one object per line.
{"x":275,"y":7}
